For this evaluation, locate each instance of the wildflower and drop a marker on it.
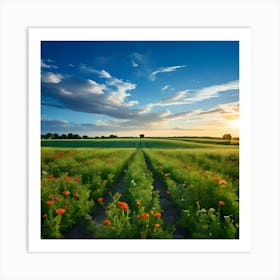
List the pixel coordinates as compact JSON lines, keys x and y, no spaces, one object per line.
{"x":66,"y":193}
{"x":221,"y":203}
{"x":76,"y":195}
{"x":223,"y":182}
{"x":123,"y":205}
{"x":157,"y":225}
{"x":51,"y":177}
{"x":76,"y":179}
{"x":107,"y":222}
{"x":146,"y":215}
{"x":140,"y":216}
{"x":49,"y":202}
{"x":60,"y":211}
{"x":56,"y":198}
{"x":217,"y":180}
{"x":67,"y":178}
{"x":138,"y":203}
{"x":100,"y":199}
{"x":157,"y":214}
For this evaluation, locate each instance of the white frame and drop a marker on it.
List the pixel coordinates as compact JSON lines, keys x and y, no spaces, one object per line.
{"x":262,"y":16}
{"x":243,"y":35}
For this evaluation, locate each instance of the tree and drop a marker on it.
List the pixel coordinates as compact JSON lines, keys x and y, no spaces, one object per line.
{"x":227,"y":137}
{"x":142,"y":135}
{"x":85,"y":137}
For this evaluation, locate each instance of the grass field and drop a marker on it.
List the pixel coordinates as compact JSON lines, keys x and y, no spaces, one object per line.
{"x":140,"y":188}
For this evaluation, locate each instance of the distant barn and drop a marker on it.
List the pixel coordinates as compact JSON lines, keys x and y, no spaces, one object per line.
{"x":227,"y":137}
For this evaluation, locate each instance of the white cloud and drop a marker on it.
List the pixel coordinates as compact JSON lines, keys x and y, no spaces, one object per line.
{"x":49,"y":77}
{"x":101,"y":73}
{"x":71,"y":65}
{"x":165,"y":88}
{"x":192,"y":96}
{"x":94,"y":87}
{"x":48,"y":64}
{"x":165,"y":70}
{"x":134,"y":64}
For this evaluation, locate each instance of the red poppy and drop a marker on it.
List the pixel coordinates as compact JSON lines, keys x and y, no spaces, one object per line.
{"x":221,"y":203}
{"x":123,"y":205}
{"x":223,"y":182}
{"x":51,"y":177}
{"x":66,"y":193}
{"x":100,"y":199}
{"x":76,"y":179}
{"x":49,"y":202}
{"x":67,"y":178}
{"x":107,"y":222}
{"x":217,"y":180}
{"x":56,"y":198}
{"x":76,"y":195}
{"x":157,"y":225}
{"x":146,"y":215}
{"x":157,"y":214}
{"x":60,"y":211}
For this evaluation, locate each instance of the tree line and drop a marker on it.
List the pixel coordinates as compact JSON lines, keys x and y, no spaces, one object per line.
{"x":73,"y":136}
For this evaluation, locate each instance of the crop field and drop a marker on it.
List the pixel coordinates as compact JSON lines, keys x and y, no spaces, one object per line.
{"x":139,"y":189}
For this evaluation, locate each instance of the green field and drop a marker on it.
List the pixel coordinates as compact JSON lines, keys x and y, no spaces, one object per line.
{"x":140,"y":188}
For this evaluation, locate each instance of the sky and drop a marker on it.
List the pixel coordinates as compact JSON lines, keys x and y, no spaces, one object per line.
{"x":125,"y":88}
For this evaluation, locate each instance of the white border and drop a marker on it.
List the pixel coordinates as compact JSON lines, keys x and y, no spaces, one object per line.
{"x":243,"y":35}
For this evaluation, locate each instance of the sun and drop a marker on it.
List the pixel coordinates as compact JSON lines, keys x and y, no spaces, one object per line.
{"x":234,"y":123}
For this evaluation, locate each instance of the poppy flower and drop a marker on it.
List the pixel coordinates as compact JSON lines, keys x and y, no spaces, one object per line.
{"x":76,"y":179}
{"x":56,"y":198}
{"x":51,"y":177}
{"x":157,"y":225}
{"x":100,"y":199}
{"x":217,"y":180}
{"x":146,"y":215}
{"x":138,"y":203}
{"x":49,"y":202}
{"x":107,"y":222}
{"x":140,"y":216}
{"x":66,"y":193}
{"x":157,"y":214}
{"x":221,"y":203}
{"x":123,"y":205}
{"x":60,"y":211}
{"x":76,"y":195}
{"x":67,"y":178}
{"x":223,"y":182}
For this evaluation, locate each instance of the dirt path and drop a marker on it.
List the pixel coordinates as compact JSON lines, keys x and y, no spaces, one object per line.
{"x":79,"y":230}
{"x":170,"y":211}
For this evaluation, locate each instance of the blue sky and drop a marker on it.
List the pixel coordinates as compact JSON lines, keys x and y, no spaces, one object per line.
{"x":159,"y":88}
